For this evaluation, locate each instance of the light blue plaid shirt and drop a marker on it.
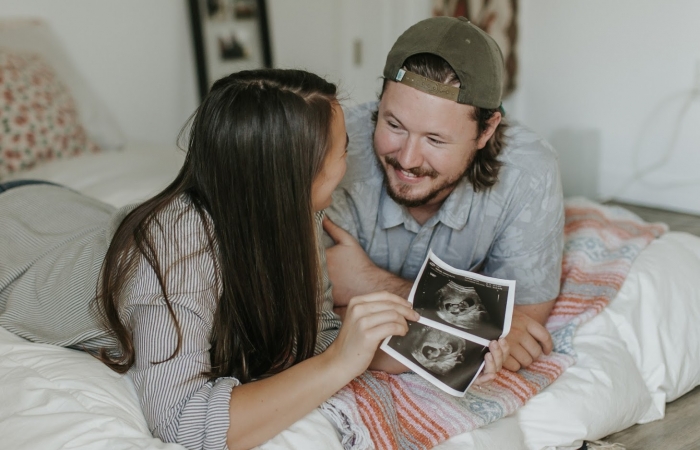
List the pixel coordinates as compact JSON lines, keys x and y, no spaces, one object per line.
{"x":513,"y":230}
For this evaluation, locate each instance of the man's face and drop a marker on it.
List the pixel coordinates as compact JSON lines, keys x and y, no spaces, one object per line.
{"x":424,"y":144}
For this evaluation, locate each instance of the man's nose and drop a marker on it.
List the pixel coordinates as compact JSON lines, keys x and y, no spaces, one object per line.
{"x":409,"y":155}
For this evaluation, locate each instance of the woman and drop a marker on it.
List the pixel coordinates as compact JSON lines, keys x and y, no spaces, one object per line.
{"x":214,"y":291}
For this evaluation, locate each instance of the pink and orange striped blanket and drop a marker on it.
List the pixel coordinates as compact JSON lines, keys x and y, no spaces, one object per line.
{"x":383,"y":411}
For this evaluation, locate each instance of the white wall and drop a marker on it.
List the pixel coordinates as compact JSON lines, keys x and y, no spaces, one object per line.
{"x":606,"y":82}
{"x":603,"y":81}
{"x":304,"y":35}
{"x":136,"y":56}
{"x":321,"y":36}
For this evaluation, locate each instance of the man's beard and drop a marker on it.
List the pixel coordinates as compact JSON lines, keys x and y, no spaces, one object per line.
{"x":400,"y":196}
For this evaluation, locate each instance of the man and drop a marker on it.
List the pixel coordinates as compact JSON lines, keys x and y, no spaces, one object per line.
{"x":433,"y":165}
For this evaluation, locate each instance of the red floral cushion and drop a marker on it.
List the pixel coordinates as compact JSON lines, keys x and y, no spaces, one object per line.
{"x":38,"y":117}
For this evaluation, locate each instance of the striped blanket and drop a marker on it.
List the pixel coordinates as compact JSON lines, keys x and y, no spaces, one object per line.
{"x":383,"y":411}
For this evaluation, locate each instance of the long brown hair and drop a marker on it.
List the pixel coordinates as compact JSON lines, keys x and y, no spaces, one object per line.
{"x":482,"y":173}
{"x":255,"y":145}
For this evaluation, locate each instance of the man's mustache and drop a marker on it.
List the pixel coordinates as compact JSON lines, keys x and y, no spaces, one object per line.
{"x":417,"y":171}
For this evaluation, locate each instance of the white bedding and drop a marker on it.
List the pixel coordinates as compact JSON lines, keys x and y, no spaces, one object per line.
{"x":118,"y":177}
{"x":641,"y":351}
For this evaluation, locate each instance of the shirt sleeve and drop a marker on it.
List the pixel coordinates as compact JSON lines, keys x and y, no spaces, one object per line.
{"x":343,"y":213}
{"x":180,"y":403}
{"x":361,"y":170}
{"x":529,"y":246}
{"x":329,"y":322}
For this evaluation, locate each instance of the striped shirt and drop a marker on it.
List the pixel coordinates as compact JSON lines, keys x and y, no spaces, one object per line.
{"x":52,"y":244}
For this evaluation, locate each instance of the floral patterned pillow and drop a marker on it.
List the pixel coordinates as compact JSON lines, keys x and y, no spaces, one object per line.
{"x":38,"y":117}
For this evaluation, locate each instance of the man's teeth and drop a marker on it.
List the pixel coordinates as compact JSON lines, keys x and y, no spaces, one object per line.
{"x":408,"y":174}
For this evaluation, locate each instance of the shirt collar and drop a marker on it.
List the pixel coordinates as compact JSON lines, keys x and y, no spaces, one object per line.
{"x":454,"y":212}
{"x":391,"y":214}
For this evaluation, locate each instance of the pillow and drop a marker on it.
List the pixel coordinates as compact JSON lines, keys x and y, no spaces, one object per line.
{"x":54,"y":398}
{"x":602,"y":393}
{"x":35,"y":36}
{"x":657,"y":312}
{"x":38,"y":116}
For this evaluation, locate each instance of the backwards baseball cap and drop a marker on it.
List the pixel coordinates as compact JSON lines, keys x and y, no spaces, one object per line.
{"x":473,"y":55}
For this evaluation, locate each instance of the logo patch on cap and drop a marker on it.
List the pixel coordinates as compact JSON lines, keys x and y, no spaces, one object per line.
{"x":427,"y":85}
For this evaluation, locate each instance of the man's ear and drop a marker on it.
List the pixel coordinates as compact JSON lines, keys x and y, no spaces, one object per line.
{"x":493,"y":123}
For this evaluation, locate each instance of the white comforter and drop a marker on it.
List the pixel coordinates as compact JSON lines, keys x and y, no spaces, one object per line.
{"x":642,"y":351}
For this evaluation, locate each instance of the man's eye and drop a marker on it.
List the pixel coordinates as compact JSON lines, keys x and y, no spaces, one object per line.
{"x":393,"y":125}
{"x":436,"y":141}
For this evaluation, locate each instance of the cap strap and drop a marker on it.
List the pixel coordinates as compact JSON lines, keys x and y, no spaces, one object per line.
{"x":427,"y":85}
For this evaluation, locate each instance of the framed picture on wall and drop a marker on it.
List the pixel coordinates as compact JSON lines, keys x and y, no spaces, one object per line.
{"x":499,"y":18}
{"x":229,"y":36}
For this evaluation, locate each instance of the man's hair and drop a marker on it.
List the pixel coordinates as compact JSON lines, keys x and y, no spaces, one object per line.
{"x":482,"y":172}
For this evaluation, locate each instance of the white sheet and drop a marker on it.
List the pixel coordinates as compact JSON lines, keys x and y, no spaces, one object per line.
{"x":119,"y":177}
{"x":663,"y":336}
{"x":643,"y":350}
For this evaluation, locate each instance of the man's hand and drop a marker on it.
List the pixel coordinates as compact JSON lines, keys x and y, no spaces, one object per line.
{"x":347,"y":263}
{"x":351,"y":271}
{"x":528,"y":338}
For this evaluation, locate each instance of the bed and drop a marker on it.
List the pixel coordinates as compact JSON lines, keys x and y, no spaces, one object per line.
{"x":640,"y":352}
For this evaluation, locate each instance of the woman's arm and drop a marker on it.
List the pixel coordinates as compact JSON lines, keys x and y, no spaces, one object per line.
{"x":262,"y":409}
{"x":180,"y":403}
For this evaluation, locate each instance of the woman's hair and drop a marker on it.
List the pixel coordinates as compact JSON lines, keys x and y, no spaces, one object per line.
{"x":482,"y":173}
{"x":255,"y":145}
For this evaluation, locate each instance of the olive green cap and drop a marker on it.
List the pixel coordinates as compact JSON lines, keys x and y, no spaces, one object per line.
{"x":473,"y":55}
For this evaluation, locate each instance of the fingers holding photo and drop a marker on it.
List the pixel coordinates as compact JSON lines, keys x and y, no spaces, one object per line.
{"x":381,"y":301}
{"x":499,"y":352}
{"x":494,"y":360}
{"x":368,"y":320}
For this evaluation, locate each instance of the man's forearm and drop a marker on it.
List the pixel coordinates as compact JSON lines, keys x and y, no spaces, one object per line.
{"x":540,"y":311}
{"x":372,"y":281}
{"x":382,"y":361}
{"x":383,"y":280}
{"x":353,"y":273}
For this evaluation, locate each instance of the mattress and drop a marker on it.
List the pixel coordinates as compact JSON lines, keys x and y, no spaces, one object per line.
{"x":118,"y":177}
{"x":640,"y":352}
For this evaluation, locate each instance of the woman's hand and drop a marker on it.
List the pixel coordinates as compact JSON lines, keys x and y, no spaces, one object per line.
{"x":369,"y":319}
{"x":498,"y":353}
{"x":296,"y":391}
